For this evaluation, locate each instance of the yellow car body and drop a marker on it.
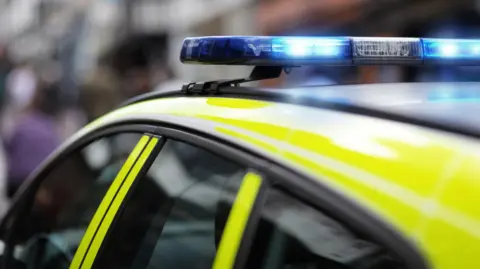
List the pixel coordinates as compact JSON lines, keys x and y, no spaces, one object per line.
{"x":421,"y":182}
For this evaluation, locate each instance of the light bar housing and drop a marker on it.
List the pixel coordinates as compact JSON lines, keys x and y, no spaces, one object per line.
{"x":298,"y":51}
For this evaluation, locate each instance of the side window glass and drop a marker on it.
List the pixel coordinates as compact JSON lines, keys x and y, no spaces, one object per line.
{"x":65,"y":202}
{"x":174,"y":216}
{"x":292,"y":234}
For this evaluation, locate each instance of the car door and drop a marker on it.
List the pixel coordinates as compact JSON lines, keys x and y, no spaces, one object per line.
{"x":57,"y":214}
{"x":195,"y":202}
{"x":291,"y":232}
{"x":187,"y":210}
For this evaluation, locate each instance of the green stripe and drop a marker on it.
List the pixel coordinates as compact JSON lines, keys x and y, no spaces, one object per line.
{"x":237,"y":221}
{"x":107,"y":200}
{"x":107,"y":221}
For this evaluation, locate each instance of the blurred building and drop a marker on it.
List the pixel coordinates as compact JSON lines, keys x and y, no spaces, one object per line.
{"x":78,"y":34}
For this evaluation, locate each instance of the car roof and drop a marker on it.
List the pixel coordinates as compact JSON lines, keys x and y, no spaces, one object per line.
{"x":448,"y":103}
{"x":448,"y":106}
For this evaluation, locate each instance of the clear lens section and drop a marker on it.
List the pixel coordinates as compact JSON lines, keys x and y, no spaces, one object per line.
{"x":451,"y":50}
{"x":386,"y":50}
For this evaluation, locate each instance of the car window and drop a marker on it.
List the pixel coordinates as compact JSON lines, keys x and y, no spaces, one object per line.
{"x":48,"y":235}
{"x":291,"y":234}
{"x":173,"y":216}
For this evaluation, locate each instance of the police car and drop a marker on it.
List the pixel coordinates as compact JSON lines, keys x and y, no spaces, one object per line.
{"x":219,"y":175}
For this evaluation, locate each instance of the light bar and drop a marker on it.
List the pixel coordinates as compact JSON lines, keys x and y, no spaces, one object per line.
{"x":297,"y":51}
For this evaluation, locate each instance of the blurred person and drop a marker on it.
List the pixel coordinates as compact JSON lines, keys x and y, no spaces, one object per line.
{"x":100,"y":92}
{"x":141,"y":61}
{"x":34,"y":136}
{"x":70,"y":118}
{"x":109,"y":84}
{"x":21,"y":84}
{"x":134,"y":66}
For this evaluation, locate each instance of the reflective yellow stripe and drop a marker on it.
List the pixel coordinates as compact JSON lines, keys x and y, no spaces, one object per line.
{"x":237,"y":220}
{"x":107,"y":221}
{"x":107,"y":200}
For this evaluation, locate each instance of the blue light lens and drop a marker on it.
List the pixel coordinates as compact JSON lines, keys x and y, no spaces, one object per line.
{"x":246,"y":50}
{"x":313,"y":48}
{"x":451,"y":50}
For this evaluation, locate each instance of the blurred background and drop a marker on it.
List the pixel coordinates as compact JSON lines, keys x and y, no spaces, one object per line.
{"x":63,"y":63}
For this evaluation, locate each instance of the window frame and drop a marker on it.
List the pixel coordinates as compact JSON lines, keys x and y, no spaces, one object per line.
{"x":300,"y":186}
{"x":23,"y":200}
{"x":298,"y":183}
{"x":221,"y":148}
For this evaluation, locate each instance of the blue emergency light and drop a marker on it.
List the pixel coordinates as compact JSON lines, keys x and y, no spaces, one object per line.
{"x":298,"y":51}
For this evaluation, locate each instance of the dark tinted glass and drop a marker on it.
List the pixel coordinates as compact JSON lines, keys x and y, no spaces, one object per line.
{"x":174,"y":215}
{"x":66,"y":201}
{"x":292,"y":234}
